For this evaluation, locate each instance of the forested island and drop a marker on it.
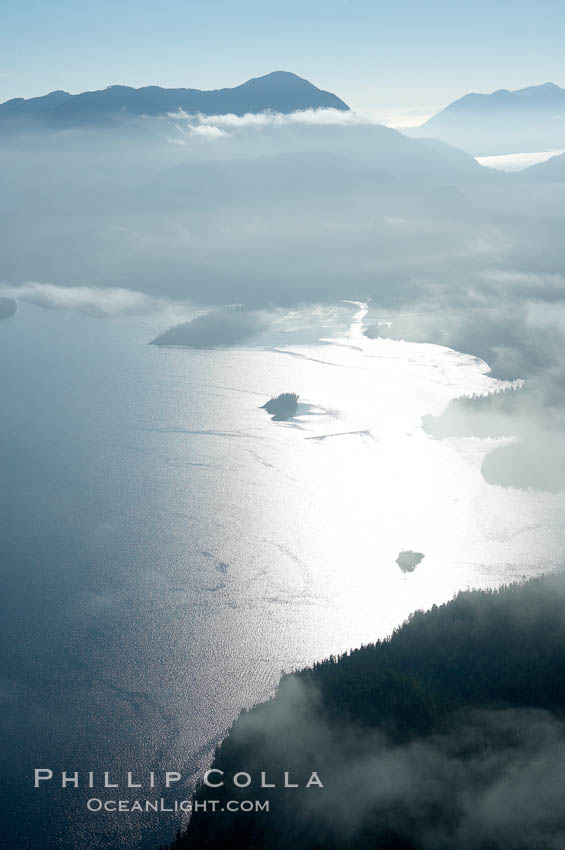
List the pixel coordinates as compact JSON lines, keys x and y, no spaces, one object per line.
{"x":408,"y":560}
{"x":222,"y":327}
{"x":449,"y":734}
{"x":283,"y":406}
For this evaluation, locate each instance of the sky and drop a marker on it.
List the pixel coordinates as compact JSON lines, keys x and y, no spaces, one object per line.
{"x":400,"y":59}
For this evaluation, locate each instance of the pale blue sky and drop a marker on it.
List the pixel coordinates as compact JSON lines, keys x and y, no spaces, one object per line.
{"x":386,"y":56}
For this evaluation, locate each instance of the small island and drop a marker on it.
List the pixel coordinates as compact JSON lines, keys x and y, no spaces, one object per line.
{"x":284,"y":406}
{"x":408,"y":560}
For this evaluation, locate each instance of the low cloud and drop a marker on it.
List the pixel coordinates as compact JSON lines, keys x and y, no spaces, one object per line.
{"x":493,"y":778}
{"x":205,"y":131}
{"x":90,"y":300}
{"x":513,"y":320}
{"x":216,"y":126}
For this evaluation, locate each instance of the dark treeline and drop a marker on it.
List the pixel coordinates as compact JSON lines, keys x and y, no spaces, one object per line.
{"x":489,"y":415}
{"x":447,"y":735}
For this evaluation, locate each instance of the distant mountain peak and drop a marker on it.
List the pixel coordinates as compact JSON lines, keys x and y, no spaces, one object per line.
{"x":503,"y":121}
{"x":278,"y":75}
{"x":504,"y":97}
{"x":279,"y":78}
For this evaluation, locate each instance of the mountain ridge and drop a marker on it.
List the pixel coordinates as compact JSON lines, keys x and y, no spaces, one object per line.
{"x":525,"y":120}
{"x":280,"y":91}
{"x":550,"y":171}
{"x":537,"y":96}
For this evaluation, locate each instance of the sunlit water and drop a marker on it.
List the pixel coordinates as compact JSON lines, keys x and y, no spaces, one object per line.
{"x":516,"y":161}
{"x":168,"y":549}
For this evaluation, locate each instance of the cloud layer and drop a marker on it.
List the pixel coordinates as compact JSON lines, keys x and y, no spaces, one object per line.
{"x":92,"y":301}
{"x":215,"y":126}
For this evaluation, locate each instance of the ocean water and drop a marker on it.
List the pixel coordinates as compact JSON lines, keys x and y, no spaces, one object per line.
{"x":516,"y":161}
{"x":168,"y":550}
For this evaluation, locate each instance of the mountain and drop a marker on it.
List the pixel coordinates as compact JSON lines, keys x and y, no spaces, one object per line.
{"x":280,"y":91}
{"x":377,"y":159}
{"x":532,"y":97}
{"x":529,"y":119}
{"x":33,"y":105}
{"x":550,"y":171}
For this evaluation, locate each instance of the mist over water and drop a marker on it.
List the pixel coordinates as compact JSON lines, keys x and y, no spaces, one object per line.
{"x":172,"y":549}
